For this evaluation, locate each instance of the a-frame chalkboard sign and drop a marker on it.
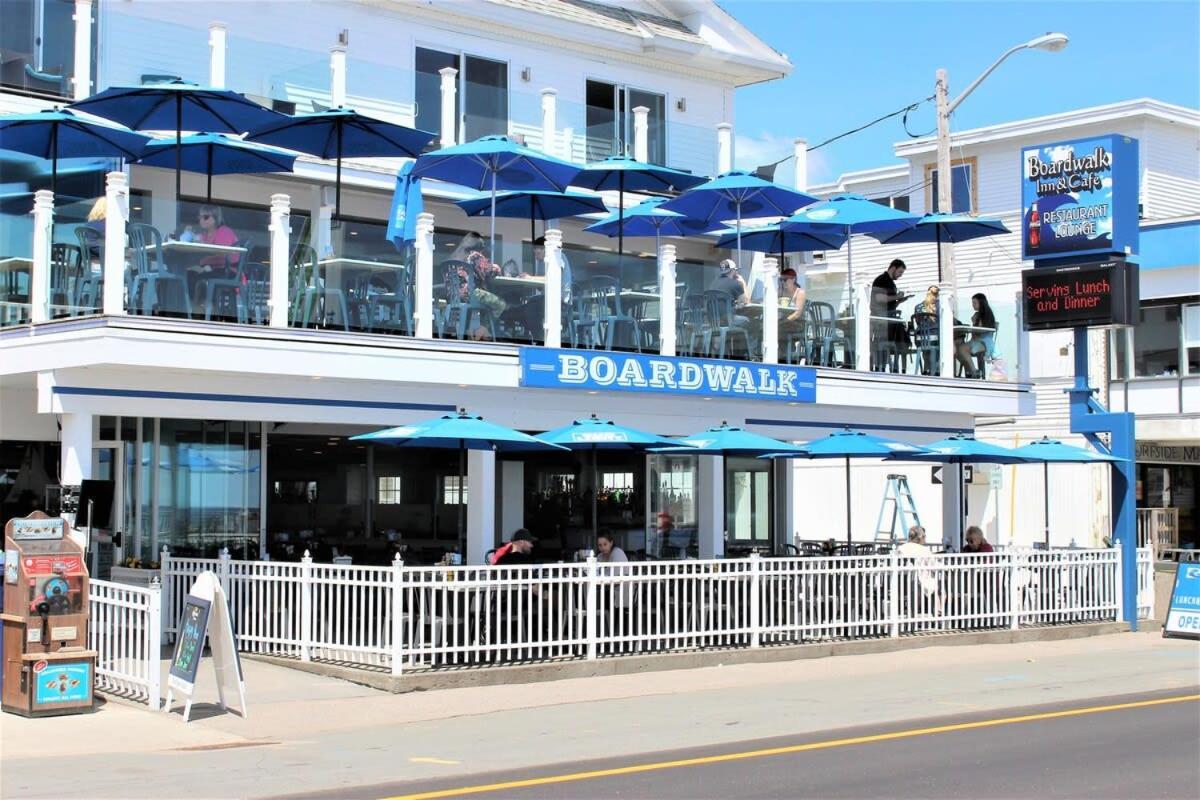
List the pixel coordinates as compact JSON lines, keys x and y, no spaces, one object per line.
{"x":205,"y":615}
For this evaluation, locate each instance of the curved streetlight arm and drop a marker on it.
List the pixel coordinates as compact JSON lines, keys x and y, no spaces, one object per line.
{"x":975,"y":83}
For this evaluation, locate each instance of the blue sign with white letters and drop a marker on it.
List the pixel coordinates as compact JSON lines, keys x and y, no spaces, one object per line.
{"x":551,"y":368}
{"x":1183,"y":616}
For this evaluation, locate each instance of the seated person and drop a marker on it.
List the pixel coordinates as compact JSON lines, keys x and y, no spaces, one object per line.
{"x":794,"y":294}
{"x":976,"y":541}
{"x":732,"y":283}
{"x":471,"y":254}
{"x":980,"y":344}
{"x":210,"y":228}
{"x":608,"y":550}
{"x":516,"y":551}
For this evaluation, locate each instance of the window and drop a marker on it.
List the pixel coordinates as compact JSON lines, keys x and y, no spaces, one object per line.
{"x":898,"y":202}
{"x":1164,"y":343}
{"x":1191,"y":337}
{"x":610,"y":121}
{"x":481,"y":87}
{"x":450,"y":487}
{"x":616,"y":481}
{"x":388,"y":490}
{"x":964,"y":193}
{"x":37,"y":39}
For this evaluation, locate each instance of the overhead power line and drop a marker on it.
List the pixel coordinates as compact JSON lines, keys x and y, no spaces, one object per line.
{"x":905,"y":111}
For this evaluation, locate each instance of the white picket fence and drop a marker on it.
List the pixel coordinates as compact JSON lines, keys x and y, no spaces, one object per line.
{"x":400,"y":618}
{"x":125,"y":630}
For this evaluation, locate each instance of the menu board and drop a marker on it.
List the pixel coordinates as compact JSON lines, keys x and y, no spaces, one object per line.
{"x":189,"y":645}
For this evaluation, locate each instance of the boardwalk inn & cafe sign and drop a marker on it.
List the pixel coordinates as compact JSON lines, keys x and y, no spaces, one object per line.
{"x":547,"y":368}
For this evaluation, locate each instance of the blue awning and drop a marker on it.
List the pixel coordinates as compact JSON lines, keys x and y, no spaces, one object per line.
{"x":1167,"y":246}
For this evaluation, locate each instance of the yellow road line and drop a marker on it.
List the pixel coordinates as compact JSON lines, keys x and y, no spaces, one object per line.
{"x":778,"y":751}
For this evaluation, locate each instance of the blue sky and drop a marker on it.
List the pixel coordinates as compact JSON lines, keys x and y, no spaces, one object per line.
{"x":855,"y":61}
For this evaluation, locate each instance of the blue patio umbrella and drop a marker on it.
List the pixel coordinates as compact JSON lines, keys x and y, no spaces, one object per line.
{"x":462,"y":432}
{"x":1051,"y":451}
{"x":736,"y":195}
{"x":601,"y":434}
{"x":55,"y":133}
{"x":535,"y":205}
{"x":407,"y":205}
{"x":848,"y":214}
{"x":493,"y":163}
{"x":647,"y":218}
{"x":940,"y":228}
{"x":963,"y":448}
{"x":847,"y":444}
{"x":627,"y":174}
{"x":177,"y":106}
{"x":217,"y":154}
{"x":774,"y":239}
{"x":336,"y":133}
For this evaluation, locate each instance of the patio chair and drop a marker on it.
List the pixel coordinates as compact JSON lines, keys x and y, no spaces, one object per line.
{"x":390,"y":312}
{"x":66,"y":270}
{"x":312,"y":300}
{"x":823,"y":334}
{"x":589,"y":305}
{"x":155,"y":289}
{"x":691,"y":324}
{"x":926,"y":342}
{"x":226,"y":297}
{"x":719,"y":329}
{"x":612,"y":316}
{"x":461,"y":315}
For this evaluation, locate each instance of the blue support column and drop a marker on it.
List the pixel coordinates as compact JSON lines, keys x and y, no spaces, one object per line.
{"x":1090,"y":418}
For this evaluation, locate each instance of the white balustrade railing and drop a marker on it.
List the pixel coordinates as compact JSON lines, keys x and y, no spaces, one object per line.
{"x":398,"y":617}
{"x":125,"y":629}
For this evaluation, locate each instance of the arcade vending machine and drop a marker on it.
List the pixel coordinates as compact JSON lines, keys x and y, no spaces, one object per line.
{"x":48,"y":668}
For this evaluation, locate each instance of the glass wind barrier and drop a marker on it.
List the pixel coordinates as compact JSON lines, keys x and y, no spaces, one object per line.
{"x":38,"y":43}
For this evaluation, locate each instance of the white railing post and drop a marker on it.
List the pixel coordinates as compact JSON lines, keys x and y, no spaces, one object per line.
{"x":168,"y":586}
{"x":755,"y":600}
{"x":82,"y":79}
{"x":1118,"y":588}
{"x":861,"y":305}
{"x":549,"y":120}
{"x":39,"y":275}
{"x":397,"y":615}
{"x":306,"y":607}
{"x":216,"y":55}
{"x":593,"y":617}
{"x":946,"y":312}
{"x":568,"y":143}
{"x":281,"y":229}
{"x":1014,"y":590}
{"x":337,"y":76}
{"x":668,"y":323}
{"x":800,"y":168}
{"x":893,"y":594}
{"x":724,"y":148}
{"x":223,"y":559}
{"x":116,"y":217}
{"x":153,"y":635}
{"x":641,"y":134}
{"x":449,"y":135}
{"x":552,"y":299}
{"x":770,"y":317}
{"x":423,"y":277}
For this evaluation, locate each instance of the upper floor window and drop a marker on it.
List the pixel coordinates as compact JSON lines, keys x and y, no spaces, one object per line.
{"x":610,"y":121}
{"x":898,"y":202}
{"x":37,"y":46}
{"x":481,"y":90}
{"x":964,"y":192}
{"x":1165,"y":342}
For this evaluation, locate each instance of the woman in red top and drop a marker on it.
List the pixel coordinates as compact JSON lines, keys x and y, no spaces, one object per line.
{"x":975,"y":541}
{"x":211,"y":229}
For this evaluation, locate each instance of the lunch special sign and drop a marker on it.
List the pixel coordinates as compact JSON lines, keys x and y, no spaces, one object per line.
{"x":551,"y":368}
{"x":1080,"y":197}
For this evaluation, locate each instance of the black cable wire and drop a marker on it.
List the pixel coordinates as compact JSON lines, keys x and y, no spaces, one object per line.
{"x":903,"y":111}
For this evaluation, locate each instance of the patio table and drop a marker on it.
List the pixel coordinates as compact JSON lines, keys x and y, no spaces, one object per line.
{"x":174,"y":247}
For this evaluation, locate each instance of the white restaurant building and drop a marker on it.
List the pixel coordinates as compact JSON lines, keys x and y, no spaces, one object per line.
{"x":1152,"y":369}
{"x":227,"y":433}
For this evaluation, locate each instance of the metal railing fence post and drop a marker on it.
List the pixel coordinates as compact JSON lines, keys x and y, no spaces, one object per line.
{"x":397,"y":615}
{"x":755,"y":600}
{"x":153,"y":636}
{"x":306,"y":607}
{"x":893,"y":594}
{"x":1014,"y":591}
{"x":593,"y":619}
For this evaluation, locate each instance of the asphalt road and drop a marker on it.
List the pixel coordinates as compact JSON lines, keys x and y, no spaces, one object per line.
{"x":1133,"y":746}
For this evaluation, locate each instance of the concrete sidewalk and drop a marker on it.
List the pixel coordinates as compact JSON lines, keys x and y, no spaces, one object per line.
{"x":306,"y":732}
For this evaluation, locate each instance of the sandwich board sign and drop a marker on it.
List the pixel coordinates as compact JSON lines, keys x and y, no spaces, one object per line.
{"x":1183,"y":615}
{"x":205,"y":615}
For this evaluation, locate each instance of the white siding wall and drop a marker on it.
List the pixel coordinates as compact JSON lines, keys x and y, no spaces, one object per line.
{"x":1170,"y":157}
{"x":281,"y":50}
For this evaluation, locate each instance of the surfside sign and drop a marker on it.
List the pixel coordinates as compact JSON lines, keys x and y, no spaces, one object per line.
{"x":549,"y":368}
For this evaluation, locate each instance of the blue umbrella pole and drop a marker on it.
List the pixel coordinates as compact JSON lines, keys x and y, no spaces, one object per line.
{"x":492,"y":239}
{"x":1046,"y":499}
{"x":462,"y":471}
{"x":208,"y":198}
{"x":337,"y":191}
{"x":54,"y":161}
{"x":178,"y":154}
{"x":620,"y":219}
{"x":595,"y":492}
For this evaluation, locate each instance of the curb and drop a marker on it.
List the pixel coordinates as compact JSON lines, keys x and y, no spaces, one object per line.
{"x":457,"y":678}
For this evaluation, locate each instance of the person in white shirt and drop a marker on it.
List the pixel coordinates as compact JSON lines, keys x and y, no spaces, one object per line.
{"x":609,"y":552}
{"x":923,"y":558}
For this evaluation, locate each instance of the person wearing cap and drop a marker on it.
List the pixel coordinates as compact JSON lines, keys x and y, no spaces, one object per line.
{"x":517,"y":550}
{"x":731,"y":282}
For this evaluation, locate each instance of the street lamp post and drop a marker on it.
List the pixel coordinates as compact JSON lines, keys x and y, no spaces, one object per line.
{"x":1051,"y":42}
